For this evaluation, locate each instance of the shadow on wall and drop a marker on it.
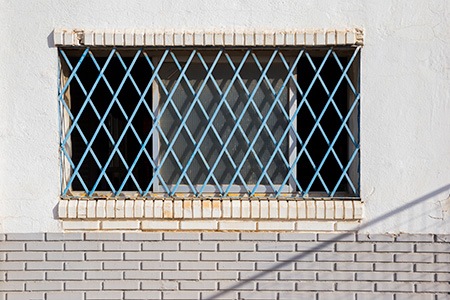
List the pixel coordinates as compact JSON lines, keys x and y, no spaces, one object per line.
{"x":342,"y":236}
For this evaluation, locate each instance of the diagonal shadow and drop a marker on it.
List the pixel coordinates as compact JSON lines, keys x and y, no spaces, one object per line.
{"x":338,"y":237}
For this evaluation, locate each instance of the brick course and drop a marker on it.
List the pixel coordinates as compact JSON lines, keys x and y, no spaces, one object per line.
{"x":207,"y":265}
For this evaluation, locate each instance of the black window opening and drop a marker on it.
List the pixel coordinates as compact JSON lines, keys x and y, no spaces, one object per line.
{"x":181,"y":150}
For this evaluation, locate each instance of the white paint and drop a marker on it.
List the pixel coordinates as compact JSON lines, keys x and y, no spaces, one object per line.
{"x":405,"y":123}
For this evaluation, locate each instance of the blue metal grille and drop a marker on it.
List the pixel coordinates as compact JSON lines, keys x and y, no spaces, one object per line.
{"x":282,"y":122}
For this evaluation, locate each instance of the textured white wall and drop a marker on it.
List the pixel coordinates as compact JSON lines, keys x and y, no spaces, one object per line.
{"x":405,"y":123}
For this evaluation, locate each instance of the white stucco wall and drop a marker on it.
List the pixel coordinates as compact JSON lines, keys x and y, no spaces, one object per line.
{"x":405,"y":110}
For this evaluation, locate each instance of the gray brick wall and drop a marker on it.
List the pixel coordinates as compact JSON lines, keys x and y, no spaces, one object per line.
{"x":225,"y":265}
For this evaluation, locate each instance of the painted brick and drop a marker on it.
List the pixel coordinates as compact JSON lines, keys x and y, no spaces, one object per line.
{"x":393,"y":247}
{"x":402,"y":276}
{"x":64,"y":236}
{"x":159,"y":225}
{"x":273,"y":225}
{"x":24,"y":275}
{"x":142,"y":236}
{"x":12,"y":246}
{"x":103,"y":275}
{"x":25,"y":237}
{"x":235,"y":265}
{"x":64,"y":275}
{"x":257,"y":256}
{"x":286,"y":266}
{"x":394,"y":267}
{"x":433,"y":267}
{"x":160,"y":246}
{"x":133,"y":295}
{"x":26,"y":296}
{"x":159,"y":265}
{"x":335,"y":295}
{"x":121,"y":265}
{"x":354,"y":286}
{"x":445,"y":238}
{"x":64,"y":295}
{"x":219,"y":256}
{"x":374,"y":257}
{"x":375,"y":276}
{"x":198,"y":225}
{"x":297,"y":236}
{"x":258,"y":236}
{"x":142,"y":275}
{"x":65,"y":256}
{"x":85,"y":285}
{"x":11,"y":286}
{"x":410,"y":296}
{"x":276,"y":286}
{"x":12,"y":266}
{"x":296,"y":295}
{"x":44,"y":265}
{"x":120,"y":225}
{"x":25,"y":256}
{"x":257,"y":275}
{"x":318,"y":266}
{"x":237,"y":225}
{"x":439,"y":277}
{"x":186,"y":256}
{"x":347,"y":225}
{"x":298,"y":275}
{"x":261,"y":295}
{"x":44,"y":286}
{"x":414,"y":238}
{"x":142,"y":255}
{"x":180,"y":295}
{"x":159,"y":285}
{"x":103,"y":255}
{"x":315,"y":225}
{"x":104,"y":295}
{"x":190,"y":265}
{"x":364,"y":237}
{"x":83,"y":265}
{"x":279,"y":246}
{"x":233,"y":285}
{"x":414,"y":257}
{"x":314,"y":286}
{"x":335,"y":276}
{"x":345,"y":266}
{"x":83,"y":246}
{"x":341,"y":237}
{"x":322,"y":256}
{"x":315,"y":247}
{"x":254,"y":209}
{"x":45,"y":246}
{"x":121,"y":285}
{"x":123,"y":246}
{"x":103,"y":236}
{"x":181,"y":236}
{"x":180,"y":275}
{"x":198,"y":246}
{"x":287,"y":256}
{"x":197,"y":285}
{"x":434,"y":248}
{"x":443,"y":258}
{"x":354,"y":247}
{"x":241,"y":246}
{"x":218,"y":275}
{"x":220,"y":236}
{"x":394,"y":287}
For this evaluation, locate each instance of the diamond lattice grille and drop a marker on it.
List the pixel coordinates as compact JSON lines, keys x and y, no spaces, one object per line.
{"x":210,"y":121}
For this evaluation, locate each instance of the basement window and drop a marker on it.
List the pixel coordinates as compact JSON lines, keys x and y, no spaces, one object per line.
{"x":163,"y":122}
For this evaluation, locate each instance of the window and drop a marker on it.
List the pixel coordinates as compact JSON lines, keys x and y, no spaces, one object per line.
{"x":279,"y":122}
